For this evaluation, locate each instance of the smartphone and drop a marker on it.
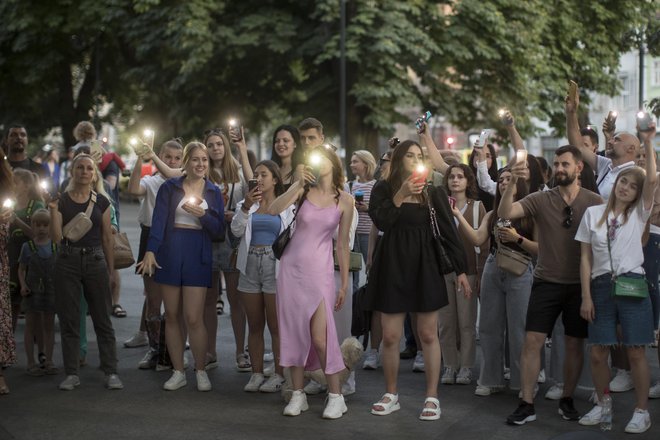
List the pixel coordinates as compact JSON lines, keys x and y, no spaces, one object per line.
{"x":611,"y":117}
{"x":483,"y":138}
{"x":452,"y":202}
{"x":359,"y":196}
{"x":644,"y":121}
{"x":420,"y":174}
{"x":424,"y":118}
{"x":252,"y":184}
{"x":235,"y":129}
{"x":505,"y":116}
{"x":521,"y":156}
{"x":572,"y":90}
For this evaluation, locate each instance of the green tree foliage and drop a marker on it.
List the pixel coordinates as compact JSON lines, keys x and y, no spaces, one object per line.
{"x":182,"y":66}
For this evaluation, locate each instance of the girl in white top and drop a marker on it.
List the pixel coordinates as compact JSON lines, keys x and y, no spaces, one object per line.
{"x":258,"y":268}
{"x":611,"y":246}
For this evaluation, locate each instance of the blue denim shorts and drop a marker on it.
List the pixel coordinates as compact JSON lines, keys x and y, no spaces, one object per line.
{"x":634,"y":315}
{"x":259,"y":272}
{"x":180,"y":257}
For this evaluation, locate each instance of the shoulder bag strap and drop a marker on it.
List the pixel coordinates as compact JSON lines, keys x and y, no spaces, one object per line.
{"x":231,"y":196}
{"x":475,"y":224}
{"x":90,"y":205}
{"x":609,"y":248}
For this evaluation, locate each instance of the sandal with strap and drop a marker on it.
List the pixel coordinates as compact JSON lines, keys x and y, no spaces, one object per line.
{"x":386,"y":407}
{"x":430,"y":413}
{"x":118,"y":311}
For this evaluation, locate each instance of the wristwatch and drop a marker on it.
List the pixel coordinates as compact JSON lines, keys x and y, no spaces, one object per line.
{"x":520,"y":240}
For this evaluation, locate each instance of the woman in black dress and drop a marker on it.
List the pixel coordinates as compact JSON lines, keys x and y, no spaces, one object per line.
{"x":407,"y":274}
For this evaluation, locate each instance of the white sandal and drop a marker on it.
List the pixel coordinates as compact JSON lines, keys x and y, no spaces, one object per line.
{"x":435,"y":412}
{"x":387,"y":407}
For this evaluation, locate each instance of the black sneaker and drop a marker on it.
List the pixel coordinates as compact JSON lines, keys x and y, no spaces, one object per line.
{"x":408,"y":353}
{"x":567,"y":410}
{"x":523,"y":414}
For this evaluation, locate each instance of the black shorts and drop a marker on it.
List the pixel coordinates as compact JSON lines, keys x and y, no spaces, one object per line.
{"x":144,"y":238}
{"x":548,"y":300}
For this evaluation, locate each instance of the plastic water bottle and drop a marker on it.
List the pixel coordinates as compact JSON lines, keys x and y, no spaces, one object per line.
{"x":606,"y":415}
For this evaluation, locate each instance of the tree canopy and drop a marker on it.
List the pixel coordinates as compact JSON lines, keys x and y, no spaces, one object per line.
{"x":183,"y":66}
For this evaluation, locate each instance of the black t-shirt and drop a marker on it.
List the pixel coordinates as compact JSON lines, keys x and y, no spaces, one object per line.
{"x":68,"y":208}
{"x":30,"y":165}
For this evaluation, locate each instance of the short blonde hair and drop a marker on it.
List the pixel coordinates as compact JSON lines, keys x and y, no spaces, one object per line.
{"x":84,"y":131}
{"x":368,"y":158}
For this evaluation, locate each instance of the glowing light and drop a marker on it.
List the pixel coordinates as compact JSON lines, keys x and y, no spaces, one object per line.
{"x":615,"y":114}
{"x":232,"y":122}
{"x":105,"y":140}
{"x":192,"y":200}
{"x":8,"y":203}
{"x":148,"y":132}
{"x":315,"y":159}
{"x":43,"y":184}
{"x":501,"y":112}
{"x":451,"y":140}
{"x":421,"y":169}
{"x":640,"y":115}
{"x":133,"y":141}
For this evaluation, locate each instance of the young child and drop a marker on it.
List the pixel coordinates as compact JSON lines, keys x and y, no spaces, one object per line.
{"x":35,"y":271}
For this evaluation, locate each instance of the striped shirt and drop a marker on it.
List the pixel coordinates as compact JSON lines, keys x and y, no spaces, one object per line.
{"x":364,"y":221}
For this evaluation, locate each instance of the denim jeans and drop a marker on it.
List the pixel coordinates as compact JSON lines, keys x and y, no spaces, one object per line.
{"x":76,"y":270}
{"x":504,"y":299}
{"x":651,"y":266}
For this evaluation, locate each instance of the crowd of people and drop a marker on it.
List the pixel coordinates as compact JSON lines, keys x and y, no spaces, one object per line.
{"x":457,"y":255}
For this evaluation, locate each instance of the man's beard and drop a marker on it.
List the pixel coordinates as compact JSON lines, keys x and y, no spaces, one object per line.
{"x":17,"y":148}
{"x":563,"y":179}
{"x":610,"y":153}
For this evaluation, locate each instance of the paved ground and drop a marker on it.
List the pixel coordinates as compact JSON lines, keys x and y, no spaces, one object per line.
{"x":36,"y":409}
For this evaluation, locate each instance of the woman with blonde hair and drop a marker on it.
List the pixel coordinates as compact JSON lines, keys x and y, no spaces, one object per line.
{"x":611,"y":236}
{"x":187,"y":216}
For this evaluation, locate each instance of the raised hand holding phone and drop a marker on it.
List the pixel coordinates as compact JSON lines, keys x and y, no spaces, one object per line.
{"x":609,"y":125}
{"x":506,"y":118}
{"x":572,"y":97}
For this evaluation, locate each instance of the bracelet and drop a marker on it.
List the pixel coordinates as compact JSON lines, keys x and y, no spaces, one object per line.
{"x":520,"y":240}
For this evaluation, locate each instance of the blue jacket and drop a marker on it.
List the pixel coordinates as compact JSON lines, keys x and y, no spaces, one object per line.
{"x":168,"y":198}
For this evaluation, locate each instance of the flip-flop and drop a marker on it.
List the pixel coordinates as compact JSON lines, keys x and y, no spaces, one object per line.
{"x":118,"y":311}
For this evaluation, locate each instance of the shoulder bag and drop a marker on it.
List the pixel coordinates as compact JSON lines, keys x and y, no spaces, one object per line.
{"x":282,"y":240}
{"x":123,"y":254}
{"x":623,"y":285}
{"x":446,"y":265}
{"x":81,"y":223}
{"x":512,"y":261}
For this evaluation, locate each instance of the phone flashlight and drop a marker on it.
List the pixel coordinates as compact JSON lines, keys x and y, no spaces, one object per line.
{"x":133,"y":141}
{"x":644,"y":121}
{"x":420,"y":173}
{"x":8,"y":204}
{"x":44,"y":185}
{"x":192,"y":200}
{"x":422,"y":119}
{"x":614,"y":115}
{"x":315,"y":165}
{"x":521,"y":156}
{"x":148,"y":132}
{"x":501,"y":112}
{"x":232,"y":122}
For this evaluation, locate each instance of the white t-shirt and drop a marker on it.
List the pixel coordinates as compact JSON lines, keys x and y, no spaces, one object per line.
{"x":627,"y":254}
{"x":150,"y":184}
{"x":607,"y":174}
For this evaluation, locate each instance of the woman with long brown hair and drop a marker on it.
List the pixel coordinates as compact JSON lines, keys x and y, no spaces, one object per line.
{"x":408,"y":268}
{"x":306,"y":293}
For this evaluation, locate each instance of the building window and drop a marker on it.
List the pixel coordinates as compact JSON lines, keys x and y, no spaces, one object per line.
{"x":655,"y":73}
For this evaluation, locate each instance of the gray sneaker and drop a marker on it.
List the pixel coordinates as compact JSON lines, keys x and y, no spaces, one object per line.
{"x":113,"y":382}
{"x":448,"y":376}
{"x":464,"y":376}
{"x":69,"y":383}
{"x":418,"y":364}
{"x":149,"y":360}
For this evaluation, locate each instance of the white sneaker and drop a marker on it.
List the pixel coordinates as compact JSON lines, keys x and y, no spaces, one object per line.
{"x":149,"y":360}
{"x":348,"y":387}
{"x":541,"y":378}
{"x":203,"y":382}
{"x":370,"y":360}
{"x":448,"y":376}
{"x":335,"y":406}
{"x":268,"y":356}
{"x":256,"y":379}
{"x":139,"y":339}
{"x":654,"y":391}
{"x":555,"y":392}
{"x":418,"y":364}
{"x":176,"y":381}
{"x":313,"y":387}
{"x":484,"y":391}
{"x":640,"y":422}
{"x":272,"y":385}
{"x":507,"y":373}
{"x":622,"y":382}
{"x":69,"y":383}
{"x":592,"y":417}
{"x":464,"y":376}
{"x":112,"y":382}
{"x":297,"y":404}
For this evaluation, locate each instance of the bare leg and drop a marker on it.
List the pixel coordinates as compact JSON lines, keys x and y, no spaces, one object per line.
{"x":427,"y":329}
{"x":237,"y":312}
{"x":600,"y":370}
{"x":253,"y":304}
{"x":641,"y":376}
{"x":211,"y":315}
{"x":173,"y":334}
{"x":319,"y":330}
{"x":271,"y":320}
{"x":573,"y":361}
{"x":392,"y":325}
{"x":376,"y":331}
{"x":193,"y":311}
{"x":530,"y":363}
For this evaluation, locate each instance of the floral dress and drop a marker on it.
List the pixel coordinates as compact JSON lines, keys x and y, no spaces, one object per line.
{"x":7,"y":342}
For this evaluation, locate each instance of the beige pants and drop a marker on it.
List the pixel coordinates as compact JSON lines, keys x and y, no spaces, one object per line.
{"x":457,"y":325}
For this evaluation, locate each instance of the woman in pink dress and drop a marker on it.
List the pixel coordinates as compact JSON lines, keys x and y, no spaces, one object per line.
{"x":306,"y":292}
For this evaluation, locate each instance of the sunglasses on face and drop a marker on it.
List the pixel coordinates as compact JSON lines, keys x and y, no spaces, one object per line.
{"x":568,"y":221}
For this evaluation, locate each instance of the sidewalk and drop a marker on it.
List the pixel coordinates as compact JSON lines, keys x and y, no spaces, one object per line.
{"x":36,"y":409}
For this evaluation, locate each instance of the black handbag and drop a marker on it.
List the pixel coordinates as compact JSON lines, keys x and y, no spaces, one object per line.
{"x":446,"y":266}
{"x":283,"y":239}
